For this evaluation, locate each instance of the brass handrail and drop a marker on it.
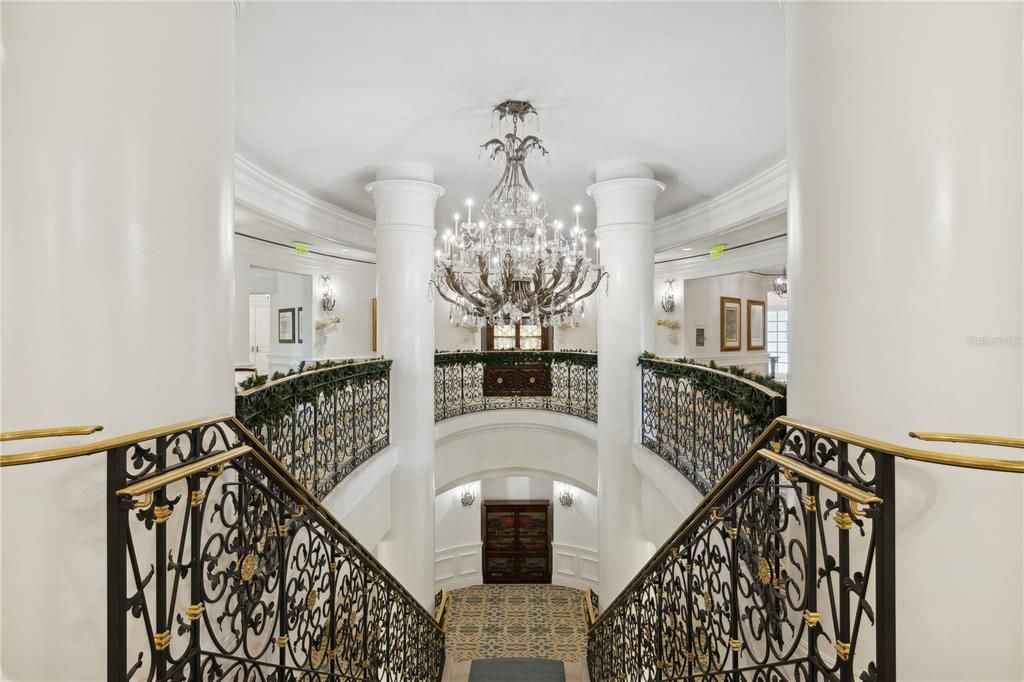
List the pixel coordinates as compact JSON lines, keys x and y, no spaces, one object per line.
{"x":25,"y":434}
{"x":306,"y":373}
{"x":850,"y":492}
{"x":1011,"y":466}
{"x":972,"y":438}
{"x":746,"y":461}
{"x":148,"y":485}
{"x":743,"y":380}
{"x":54,"y":454}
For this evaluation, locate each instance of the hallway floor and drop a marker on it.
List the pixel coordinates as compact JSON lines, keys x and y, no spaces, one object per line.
{"x":516,"y":621}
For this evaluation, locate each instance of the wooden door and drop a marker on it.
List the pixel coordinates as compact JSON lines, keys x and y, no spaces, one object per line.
{"x":517,"y":541}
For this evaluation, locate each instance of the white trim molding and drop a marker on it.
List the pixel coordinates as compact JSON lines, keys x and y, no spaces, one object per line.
{"x":288,"y":206}
{"x":574,"y":566}
{"x":458,"y":566}
{"x":761,"y":197}
{"x":770,"y":253}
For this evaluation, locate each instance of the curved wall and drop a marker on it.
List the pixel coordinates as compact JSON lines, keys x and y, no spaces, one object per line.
{"x":515,"y":443}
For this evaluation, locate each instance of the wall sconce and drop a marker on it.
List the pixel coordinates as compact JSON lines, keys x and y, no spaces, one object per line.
{"x":468,"y":496}
{"x":668,"y":298}
{"x":565,"y":497}
{"x":327,"y":301}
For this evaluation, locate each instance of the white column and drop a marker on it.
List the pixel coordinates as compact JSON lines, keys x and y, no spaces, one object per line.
{"x":405,"y":198}
{"x":625,"y":328}
{"x":905,"y":265}
{"x":118,"y":154}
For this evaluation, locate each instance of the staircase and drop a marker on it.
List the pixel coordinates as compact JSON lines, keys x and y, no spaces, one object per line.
{"x":222,"y":562}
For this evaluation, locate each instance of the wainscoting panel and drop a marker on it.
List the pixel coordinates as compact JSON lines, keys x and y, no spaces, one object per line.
{"x":574,"y":566}
{"x":458,"y":566}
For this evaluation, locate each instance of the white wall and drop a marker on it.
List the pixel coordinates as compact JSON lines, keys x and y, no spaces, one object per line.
{"x":118,"y":150}
{"x":697,"y":305}
{"x":515,"y":443}
{"x":458,"y":554}
{"x":290,"y":291}
{"x":354,"y":286}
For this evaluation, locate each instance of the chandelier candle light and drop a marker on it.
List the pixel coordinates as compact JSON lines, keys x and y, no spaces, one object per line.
{"x":515,"y":264}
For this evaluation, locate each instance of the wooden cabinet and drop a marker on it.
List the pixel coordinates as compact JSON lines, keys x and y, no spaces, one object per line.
{"x":517,"y":541}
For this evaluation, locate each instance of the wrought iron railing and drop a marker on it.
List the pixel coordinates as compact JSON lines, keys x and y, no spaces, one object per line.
{"x":557,"y":381}
{"x":701,"y":419}
{"x":222,"y":566}
{"x":784,"y":572}
{"x":321,"y":422}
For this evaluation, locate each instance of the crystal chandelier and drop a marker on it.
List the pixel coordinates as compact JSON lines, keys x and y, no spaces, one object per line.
{"x":515,"y":263}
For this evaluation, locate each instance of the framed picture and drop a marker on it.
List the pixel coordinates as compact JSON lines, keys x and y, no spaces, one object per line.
{"x":298,"y":324}
{"x":755,"y":325}
{"x":700,"y":337}
{"x":286,"y":325}
{"x":732,"y":323}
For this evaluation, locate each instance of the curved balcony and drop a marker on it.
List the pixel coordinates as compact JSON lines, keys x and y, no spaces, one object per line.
{"x":321,"y":421}
{"x":700,"y":419}
{"x":466,"y":382}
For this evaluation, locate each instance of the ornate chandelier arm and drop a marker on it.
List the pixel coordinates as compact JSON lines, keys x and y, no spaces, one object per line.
{"x":597,"y":282}
{"x":457,"y":286}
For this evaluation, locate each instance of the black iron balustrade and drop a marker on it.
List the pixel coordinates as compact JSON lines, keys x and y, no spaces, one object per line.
{"x":784,"y":572}
{"x":462,"y":383}
{"x":324,"y":421}
{"x":221,"y":566}
{"x":701,"y":419}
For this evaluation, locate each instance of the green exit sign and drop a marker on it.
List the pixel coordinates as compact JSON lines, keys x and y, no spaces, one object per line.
{"x":717,"y":250}
{"x":301,"y":248}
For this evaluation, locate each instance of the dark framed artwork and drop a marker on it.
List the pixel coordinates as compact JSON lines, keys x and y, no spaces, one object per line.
{"x":756,"y":325}
{"x":286,"y":325}
{"x":298,"y":324}
{"x":731,"y":313}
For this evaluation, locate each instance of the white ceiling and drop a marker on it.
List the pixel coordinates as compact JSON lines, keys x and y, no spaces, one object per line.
{"x":329,"y":91}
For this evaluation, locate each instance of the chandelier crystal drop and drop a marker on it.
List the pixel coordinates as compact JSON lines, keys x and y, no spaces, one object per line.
{"x":515,"y":264}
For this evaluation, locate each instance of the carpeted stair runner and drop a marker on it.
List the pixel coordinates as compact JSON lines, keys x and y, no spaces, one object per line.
{"x":517,"y":670}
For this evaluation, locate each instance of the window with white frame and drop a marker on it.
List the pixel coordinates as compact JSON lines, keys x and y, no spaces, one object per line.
{"x":778,"y":340}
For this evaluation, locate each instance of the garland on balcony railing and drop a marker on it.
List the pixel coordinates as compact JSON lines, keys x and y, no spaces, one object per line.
{"x":514,"y":357}
{"x":306,"y":382}
{"x":758,"y":407}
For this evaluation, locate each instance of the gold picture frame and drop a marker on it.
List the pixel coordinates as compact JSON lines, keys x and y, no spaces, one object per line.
{"x":757,"y":325}
{"x":731,"y":318}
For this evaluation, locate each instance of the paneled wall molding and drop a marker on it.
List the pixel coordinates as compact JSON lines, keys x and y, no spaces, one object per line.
{"x":574,"y":566}
{"x":770,"y":253}
{"x":762,"y":196}
{"x":458,"y":566}
{"x":288,"y":206}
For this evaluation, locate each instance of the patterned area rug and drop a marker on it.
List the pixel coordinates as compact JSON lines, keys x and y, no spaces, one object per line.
{"x":516,"y":621}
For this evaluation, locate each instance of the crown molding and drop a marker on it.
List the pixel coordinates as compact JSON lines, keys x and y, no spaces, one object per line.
{"x":281,"y":202}
{"x":761,"y":197}
{"x":764,"y":254}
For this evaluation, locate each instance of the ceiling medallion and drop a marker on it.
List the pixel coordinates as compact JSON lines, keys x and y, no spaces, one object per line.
{"x":515,"y":263}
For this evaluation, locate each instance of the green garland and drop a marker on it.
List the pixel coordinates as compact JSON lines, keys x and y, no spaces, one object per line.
{"x":754,"y":404}
{"x":514,"y":357}
{"x":262,"y":407}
